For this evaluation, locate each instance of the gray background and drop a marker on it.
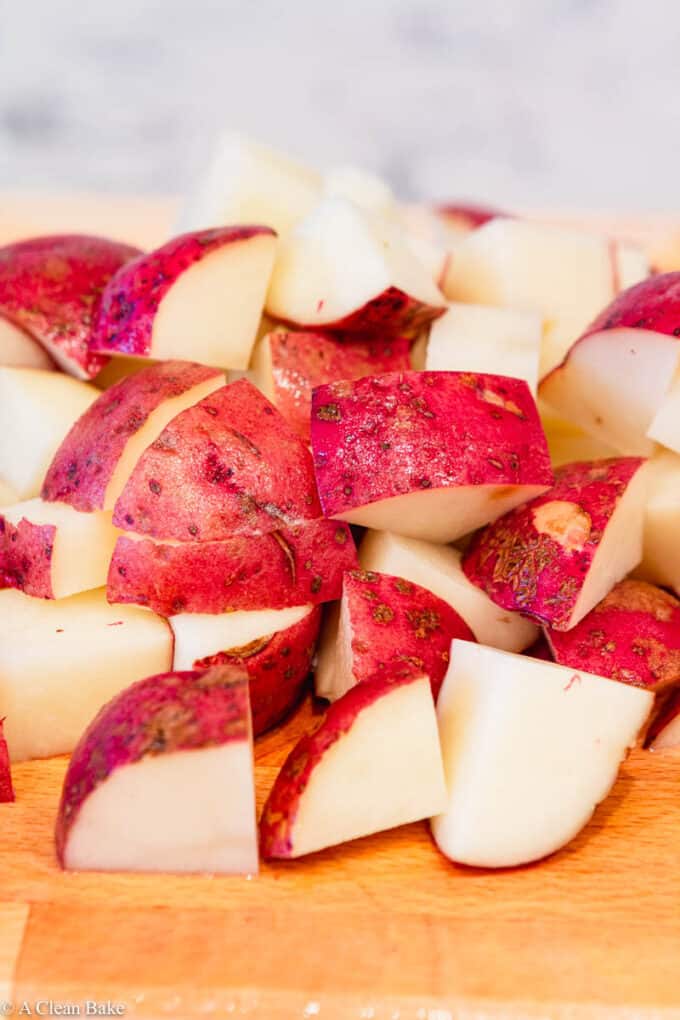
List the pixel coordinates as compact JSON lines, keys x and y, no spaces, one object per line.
{"x":566,"y":103}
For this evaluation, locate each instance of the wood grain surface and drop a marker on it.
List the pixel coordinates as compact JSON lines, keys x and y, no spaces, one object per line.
{"x":380,"y":929}
{"x":383,"y":927}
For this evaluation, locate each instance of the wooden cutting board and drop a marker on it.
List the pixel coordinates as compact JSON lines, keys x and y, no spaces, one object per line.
{"x":380,"y":929}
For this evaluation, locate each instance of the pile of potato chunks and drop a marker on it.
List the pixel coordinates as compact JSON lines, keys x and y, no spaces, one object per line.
{"x":430,"y":455}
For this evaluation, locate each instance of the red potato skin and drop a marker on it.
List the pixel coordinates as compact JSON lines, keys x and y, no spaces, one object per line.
{"x":26,"y":557}
{"x":229,"y":465}
{"x":278,"y":667}
{"x":389,"y":315}
{"x":86,"y":460}
{"x":534,"y":559}
{"x":159,"y":715}
{"x":632,"y":636}
{"x":468,"y":215}
{"x":652,"y":305}
{"x":277,"y":824}
{"x":393,"y":434}
{"x":394,"y":621}
{"x":540,"y":650}
{"x":6,"y":787}
{"x":301,"y":361}
{"x":668,"y":711}
{"x":125,"y":317}
{"x":51,"y":288}
{"x":291,"y":567}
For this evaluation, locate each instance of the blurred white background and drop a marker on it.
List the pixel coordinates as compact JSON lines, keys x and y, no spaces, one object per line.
{"x":564,"y":103}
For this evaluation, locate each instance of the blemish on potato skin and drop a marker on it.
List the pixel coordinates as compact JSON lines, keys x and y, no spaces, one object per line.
{"x":565,"y":522}
{"x":403,"y":587}
{"x":626,"y":639}
{"x":382,"y":613}
{"x":443,"y":420}
{"x":329,"y":412}
{"x":365,"y":576}
{"x":423,"y":621}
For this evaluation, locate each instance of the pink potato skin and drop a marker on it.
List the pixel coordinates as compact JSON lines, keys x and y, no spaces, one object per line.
{"x":468,"y":214}
{"x":388,"y":435}
{"x":159,"y":715}
{"x":26,"y":557}
{"x":51,"y":288}
{"x":277,"y":824}
{"x":667,"y":710}
{"x":86,"y":460}
{"x":229,"y":465}
{"x":6,"y":787}
{"x":125,"y":318}
{"x":632,"y":636}
{"x":534,"y":559}
{"x":394,"y":621}
{"x":652,"y":305}
{"x":291,"y":567}
{"x":301,"y":361}
{"x":278,"y":667}
{"x":540,"y":650}
{"x":389,"y":315}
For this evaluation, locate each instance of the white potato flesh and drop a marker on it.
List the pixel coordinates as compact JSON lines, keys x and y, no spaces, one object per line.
{"x":19,"y":350}
{"x":83,"y":543}
{"x":37,"y":409}
{"x":385,"y":770}
{"x":564,"y":275}
{"x":365,"y":189}
{"x":477,"y":338}
{"x":249,"y":183}
{"x":441,"y":515}
{"x":8,"y":495}
{"x":568,"y":443}
{"x":60,"y":661}
{"x":212,"y":311}
{"x":334,"y":672}
{"x":665,"y":426}
{"x":198,"y":635}
{"x":632,"y":264}
{"x":613,"y":384}
{"x":438,"y":568}
{"x":660,"y":547}
{"x":620,"y":549}
{"x":184,"y":811}
{"x":530,"y":749}
{"x":337,"y":260}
